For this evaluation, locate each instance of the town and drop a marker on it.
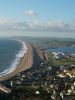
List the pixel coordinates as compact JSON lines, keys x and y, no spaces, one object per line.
{"x":47,"y":81}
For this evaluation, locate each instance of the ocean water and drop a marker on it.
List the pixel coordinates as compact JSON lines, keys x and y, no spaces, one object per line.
{"x":11,"y":52}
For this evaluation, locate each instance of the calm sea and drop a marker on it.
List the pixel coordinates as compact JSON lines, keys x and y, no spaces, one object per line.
{"x":70,"y":50}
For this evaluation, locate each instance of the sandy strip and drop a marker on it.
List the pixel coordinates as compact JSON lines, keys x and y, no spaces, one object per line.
{"x":26,"y":62}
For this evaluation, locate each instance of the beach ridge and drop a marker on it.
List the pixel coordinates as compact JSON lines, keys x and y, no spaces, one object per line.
{"x":25,"y":63}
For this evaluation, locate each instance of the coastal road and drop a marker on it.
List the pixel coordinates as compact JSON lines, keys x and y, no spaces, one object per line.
{"x":4,"y":89}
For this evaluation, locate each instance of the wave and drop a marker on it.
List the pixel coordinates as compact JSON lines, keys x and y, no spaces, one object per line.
{"x":17,"y":59}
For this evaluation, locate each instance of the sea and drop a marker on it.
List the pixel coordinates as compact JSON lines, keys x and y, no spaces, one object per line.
{"x":11,"y":52}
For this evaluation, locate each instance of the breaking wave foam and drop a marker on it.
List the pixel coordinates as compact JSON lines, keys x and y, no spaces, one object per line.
{"x":16,"y":61}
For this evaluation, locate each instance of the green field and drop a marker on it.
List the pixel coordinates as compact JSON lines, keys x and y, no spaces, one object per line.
{"x":64,"y":61}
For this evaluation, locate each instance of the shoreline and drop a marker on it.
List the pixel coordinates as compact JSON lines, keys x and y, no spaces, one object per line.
{"x":25,"y":63}
{"x":16,"y":61}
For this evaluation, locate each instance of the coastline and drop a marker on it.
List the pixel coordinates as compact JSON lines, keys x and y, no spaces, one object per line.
{"x":25,"y":63}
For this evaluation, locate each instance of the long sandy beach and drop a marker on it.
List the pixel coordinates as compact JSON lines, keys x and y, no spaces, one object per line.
{"x":25,"y":63}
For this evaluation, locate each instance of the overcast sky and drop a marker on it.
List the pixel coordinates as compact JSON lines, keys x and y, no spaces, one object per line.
{"x":45,"y":18}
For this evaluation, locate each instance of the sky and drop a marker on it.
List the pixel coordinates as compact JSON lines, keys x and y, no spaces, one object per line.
{"x":38,"y":18}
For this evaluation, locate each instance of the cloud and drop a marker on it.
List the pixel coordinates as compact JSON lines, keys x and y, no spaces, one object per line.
{"x":60,"y":26}
{"x":12,"y":26}
{"x":30,"y":13}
